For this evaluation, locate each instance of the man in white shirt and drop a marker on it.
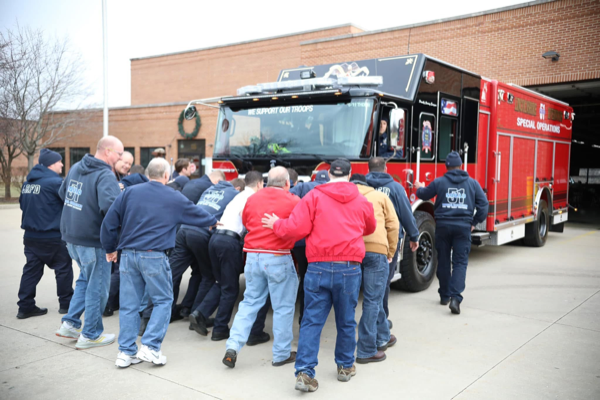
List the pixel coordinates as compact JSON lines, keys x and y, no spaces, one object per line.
{"x":225,"y":250}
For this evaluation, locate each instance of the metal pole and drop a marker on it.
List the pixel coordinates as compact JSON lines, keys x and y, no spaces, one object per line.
{"x":105,"y":63}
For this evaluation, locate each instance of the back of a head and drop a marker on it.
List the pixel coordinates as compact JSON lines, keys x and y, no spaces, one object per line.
{"x":278,"y":177}
{"x":252,"y":178}
{"x":377,"y":164}
{"x":217,"y":176}
{"x":238,"y":183}
{"x":137,"y":169}
{"x":358,"y":178}
{"x":293,"y":175}
{"x":181,"y":164}
{"x":108,"y":142}
{"x":157,"y":168}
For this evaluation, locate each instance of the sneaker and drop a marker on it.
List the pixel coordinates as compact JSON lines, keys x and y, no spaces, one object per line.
{"x":344,"y":374}
{"x":149,"y":355}
{"x":230,"y":358}
{"x":68,"y":331}
{"x":288,"y":360}
{"x":305,"y":383}
{"x":103,"y":340}
{"x":125,"y":360}
{"x":35,"y":312}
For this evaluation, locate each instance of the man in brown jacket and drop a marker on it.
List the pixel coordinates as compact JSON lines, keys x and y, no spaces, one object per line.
{"x":373,"y":330}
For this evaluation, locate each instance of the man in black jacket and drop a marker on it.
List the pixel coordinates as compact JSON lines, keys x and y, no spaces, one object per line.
{"x":458,"y":197}
{"x":42,"y":209}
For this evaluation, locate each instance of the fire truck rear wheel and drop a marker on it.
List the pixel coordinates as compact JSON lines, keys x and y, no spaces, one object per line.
{"x":536,"y":232}
{"x":418,"y":268}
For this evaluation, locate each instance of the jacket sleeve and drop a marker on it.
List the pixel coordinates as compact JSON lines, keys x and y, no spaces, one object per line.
{"x":300,"y":222}
{"x":392,"y":226}
{"x":107,"y":192}
{"x":370,"y":221}
{"x":407,"y":219}
{"x":297,"y":190}
{"x":481,"y":204}
{"x":109,"y":232}
{"x":191,"y":214}
{"x":62,"y":190}
{"x":427,"y":192}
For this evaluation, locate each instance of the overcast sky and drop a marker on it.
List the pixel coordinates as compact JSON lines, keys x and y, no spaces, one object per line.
{"x":144,"y":28}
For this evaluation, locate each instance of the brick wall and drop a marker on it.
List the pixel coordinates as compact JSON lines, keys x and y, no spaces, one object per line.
{"x":505,"y":45}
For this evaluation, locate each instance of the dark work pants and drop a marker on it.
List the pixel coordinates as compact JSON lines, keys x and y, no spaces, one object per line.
{"x":228,"y":264}
{"x":455,"y":240}
{"x":115,"y":282}
{"x":390,"y":277}
{"x":183,"y":256}
{"x":300,"y":257}
{"x":55,"y":255}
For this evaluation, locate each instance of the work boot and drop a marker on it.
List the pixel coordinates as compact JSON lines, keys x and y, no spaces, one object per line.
{"x":444,"y":301}
{"x":198,"y":323}
{"x":253,"y":340}
{"x":288,"y":360}
{"x":216,"y":336}
{"x":390,"y":343}
{"x":34,"y":312}
{"x":454,"y":306}
{"x":379,"y":356}
{"x":305,"y":383}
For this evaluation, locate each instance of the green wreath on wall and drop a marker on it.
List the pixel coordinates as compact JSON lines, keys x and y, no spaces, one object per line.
{"x":194,"y":132}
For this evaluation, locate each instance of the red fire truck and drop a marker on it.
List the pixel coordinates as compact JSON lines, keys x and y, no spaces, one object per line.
{"x":515,"y":142}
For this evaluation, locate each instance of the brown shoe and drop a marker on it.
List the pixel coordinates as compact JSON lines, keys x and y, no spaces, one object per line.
{"x":344,"y":374}
{"x":379,"y":356}
{"x":290,"y":359}
{"x":390,"y":343}
{"x":305,"y":383}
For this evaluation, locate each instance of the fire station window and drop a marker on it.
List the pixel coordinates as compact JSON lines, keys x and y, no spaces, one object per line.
{"x":447,"y":137}
{"x":77,"y":154}
{"x":427,"y":136}
{"x":146,"y":155}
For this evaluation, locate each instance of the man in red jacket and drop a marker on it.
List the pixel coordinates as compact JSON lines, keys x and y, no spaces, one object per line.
{"x":333,"y":217}
{"x":269,"y":270}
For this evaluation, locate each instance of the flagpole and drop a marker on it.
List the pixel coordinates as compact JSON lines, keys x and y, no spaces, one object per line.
{"x":105,"y":63}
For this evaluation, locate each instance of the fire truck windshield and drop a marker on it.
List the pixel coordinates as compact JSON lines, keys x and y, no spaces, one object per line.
{"x":327,"y":130}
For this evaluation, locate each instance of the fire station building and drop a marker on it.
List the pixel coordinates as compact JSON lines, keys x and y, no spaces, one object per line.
{"x":548,"y":46}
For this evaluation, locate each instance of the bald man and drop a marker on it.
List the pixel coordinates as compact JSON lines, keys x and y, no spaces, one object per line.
{"x":88,"y":191}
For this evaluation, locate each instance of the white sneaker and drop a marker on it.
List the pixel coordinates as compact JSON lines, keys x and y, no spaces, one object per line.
{"x":103,"y":340}
{"x":125,"y":360}
{"x":149,"y":355}
{"x":68,"y":331}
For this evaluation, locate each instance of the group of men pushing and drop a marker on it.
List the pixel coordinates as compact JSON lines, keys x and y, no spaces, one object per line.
{"x":342,"y":229}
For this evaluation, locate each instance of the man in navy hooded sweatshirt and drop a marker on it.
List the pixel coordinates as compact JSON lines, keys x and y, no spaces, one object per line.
{"x":88,"y":192}
{"x":383,"y":182}
{"x":458,"y":197}
{"x":42,"y":208}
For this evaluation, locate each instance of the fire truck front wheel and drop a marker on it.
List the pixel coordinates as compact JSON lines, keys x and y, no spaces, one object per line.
{"x":536,"y":232}
{"x":418,"y":268}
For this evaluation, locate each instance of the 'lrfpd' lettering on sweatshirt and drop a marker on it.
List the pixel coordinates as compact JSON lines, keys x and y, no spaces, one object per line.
{"x":456,"y":199}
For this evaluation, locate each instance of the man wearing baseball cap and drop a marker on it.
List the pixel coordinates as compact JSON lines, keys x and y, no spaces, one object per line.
{"x":458,"y":197}
{"x":42,"y":208}
{"x":333,"y":217}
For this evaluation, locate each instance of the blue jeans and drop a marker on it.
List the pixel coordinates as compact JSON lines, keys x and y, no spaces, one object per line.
{"x":91,"y":289}
{"x":267,"y":274}
{"x":327,"y":284}
{"x":455,"y":238}
{"x":373,"y":329}
{"x":144,"y":272}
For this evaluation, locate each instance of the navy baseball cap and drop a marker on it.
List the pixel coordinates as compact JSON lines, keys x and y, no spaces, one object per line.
{"x":453,"y":160}
{"x":322,"y":176}
{"x":340,"y":167}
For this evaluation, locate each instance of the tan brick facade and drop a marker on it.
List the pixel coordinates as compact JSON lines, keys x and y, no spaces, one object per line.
{"x":506,"y":45}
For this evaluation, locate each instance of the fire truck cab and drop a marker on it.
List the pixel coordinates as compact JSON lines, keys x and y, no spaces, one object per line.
{"x":514,"y":142}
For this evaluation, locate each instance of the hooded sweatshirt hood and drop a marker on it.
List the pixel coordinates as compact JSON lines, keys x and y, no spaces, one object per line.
{"x":342,"y":192}
{"x":457,"y":175}
{"x":134,"y":179}
{"x":379,"y":179}
{"x":90,"y":164}
{"x":41,"y":204}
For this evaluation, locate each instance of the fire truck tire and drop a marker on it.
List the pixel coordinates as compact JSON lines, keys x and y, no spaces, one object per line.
{"x":418,"y":268}
{"x":536,"y":232}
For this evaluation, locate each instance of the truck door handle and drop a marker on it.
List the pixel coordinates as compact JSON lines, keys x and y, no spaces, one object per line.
{"x":498,"y":165}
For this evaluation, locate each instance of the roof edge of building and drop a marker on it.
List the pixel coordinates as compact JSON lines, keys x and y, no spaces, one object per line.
{"x":248,"y":41}
{"x":432,"y":22}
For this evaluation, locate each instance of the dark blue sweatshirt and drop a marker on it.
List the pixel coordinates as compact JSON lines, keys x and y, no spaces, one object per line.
{"x":458,"y":196}
{"x":134,"y":179}
{"x":384,"y":182}
{"x":148,"y":215}
{"x":88,"y":192}
{"x":214,"y":200}
{"x":41,"y":204}
{"x":193,"y":190}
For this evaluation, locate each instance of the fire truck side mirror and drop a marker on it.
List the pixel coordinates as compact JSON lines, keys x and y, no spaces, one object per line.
{"x":190,"y":112}
{"x":397,"y":119}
